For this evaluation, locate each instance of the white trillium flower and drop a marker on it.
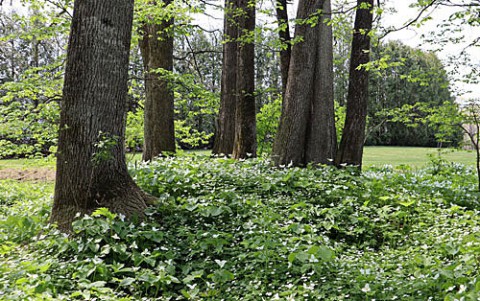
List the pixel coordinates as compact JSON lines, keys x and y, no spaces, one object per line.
{"x":366,"y":288}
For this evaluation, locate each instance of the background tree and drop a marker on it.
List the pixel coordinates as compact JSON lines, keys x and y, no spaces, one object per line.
{"x":468,"y":118}
{"x":342,"y":45}
{"x":194,"y":80}
{"x":285,"y":40}
{"x":156,"y":46}
{"x":225,"y":130}
{"x":31,"y":69}
{"x":245,"y":142}
{"x":91,"y":168}
{"x":353,"y":134}
{"x":307,"y":125}
{"x":411,"y":76}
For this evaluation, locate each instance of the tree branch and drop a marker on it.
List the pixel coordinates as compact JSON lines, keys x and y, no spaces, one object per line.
{"x":189,"y":53}
{"x":413,"y":21}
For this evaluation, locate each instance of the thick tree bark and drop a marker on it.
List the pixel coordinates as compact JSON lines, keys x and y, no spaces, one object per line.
{"x":285,"y":39}
{"x":225,"y":129}
{"x":245,"y":144}
{"x":156,"y":47}
{"x":91,"y":168}
{"x":351,"y":146}
{"x":321,"y":144}
{"x":307,"y":121}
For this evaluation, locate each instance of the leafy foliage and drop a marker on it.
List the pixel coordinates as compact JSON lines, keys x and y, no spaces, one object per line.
{"x":230,"y":230}
{"x":404,"y":76}
{"x":30,"y":81}
{"x":267,"y":124}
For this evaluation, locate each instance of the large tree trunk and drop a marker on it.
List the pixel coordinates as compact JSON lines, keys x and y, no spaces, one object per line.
{"x":225,"y":129}
{"x":91,"y":168}
{"x":156,"y":47}
{"x":353,"y":137}
{"x":321,"y":144}
{"x":245,"y":144}
{"x":285,"y":39}
{"x":307,"y":121}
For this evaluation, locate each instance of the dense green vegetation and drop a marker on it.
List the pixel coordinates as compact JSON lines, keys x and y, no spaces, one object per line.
{"x":410,"y":76}
{"x":230,"y":230}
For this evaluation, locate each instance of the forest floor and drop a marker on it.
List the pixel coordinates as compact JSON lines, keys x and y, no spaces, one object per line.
{"x":242,"y":230}
{"x":30,"y":174}
{"x":28,"y":169}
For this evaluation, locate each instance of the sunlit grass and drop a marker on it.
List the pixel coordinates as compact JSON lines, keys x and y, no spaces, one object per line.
{"x":24,"y":163}
{"x":415,"y":157}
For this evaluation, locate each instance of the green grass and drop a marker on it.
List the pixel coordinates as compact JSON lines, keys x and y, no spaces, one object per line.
{"x":27,"y":163}
{"x":413,"y":156}
{"x":416,"y":157}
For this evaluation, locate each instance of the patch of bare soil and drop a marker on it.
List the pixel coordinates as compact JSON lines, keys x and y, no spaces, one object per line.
{"x":29,"y":174}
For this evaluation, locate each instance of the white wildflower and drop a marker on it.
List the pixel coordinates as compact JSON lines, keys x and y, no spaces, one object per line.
{"x":366,"y":288}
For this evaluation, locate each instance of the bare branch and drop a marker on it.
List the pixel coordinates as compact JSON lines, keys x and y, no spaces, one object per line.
{"x":189,"y":53}
{"x":434,"y":3}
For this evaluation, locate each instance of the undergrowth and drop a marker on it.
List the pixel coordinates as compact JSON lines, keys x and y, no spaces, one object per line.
{"x":228,"y":230}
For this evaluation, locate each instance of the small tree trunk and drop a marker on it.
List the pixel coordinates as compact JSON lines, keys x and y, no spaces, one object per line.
{"x":225,"y":128}
{"x":245,"y":144}
{"x":285,"y":39}
{"x":353,"y":137}
{"x":156,"y":47}
{"x":91,"y":168}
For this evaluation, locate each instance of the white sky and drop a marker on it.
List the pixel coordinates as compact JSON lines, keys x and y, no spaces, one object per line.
{"x":411,"y":36}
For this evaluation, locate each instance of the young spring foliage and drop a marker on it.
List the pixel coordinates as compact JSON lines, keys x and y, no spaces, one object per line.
{"x":230,"y":230}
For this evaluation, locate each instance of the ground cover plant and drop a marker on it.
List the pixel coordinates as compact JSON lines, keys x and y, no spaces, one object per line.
{"x":229,"y":230}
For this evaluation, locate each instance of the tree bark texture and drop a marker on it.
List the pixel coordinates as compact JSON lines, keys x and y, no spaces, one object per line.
{"x":245,"y":143}
{"x":351,"y":145}
{"x":225,"y":129}
{"x":306,"y":132}
{"x":321,"y":143}
{"x":285,"y":39}
{"x":91,"y":169}
{"x":156,"y":47}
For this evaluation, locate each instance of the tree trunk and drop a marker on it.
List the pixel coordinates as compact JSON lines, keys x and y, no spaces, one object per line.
{"x":353,"y":137}
{"x":156,"y":47}
{"x":321,"y":144}
{"x":245,"y":144}
{"x":285,"y":39}
{"x":225,"y":129}
{"x":91,"y":168}
{"x":307,"y":121}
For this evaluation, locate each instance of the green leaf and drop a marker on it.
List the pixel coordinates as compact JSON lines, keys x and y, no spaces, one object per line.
{"x":127,"y":281}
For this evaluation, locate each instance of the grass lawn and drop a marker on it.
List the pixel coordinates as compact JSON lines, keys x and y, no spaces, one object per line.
{"x":27,"y":163}
{"x":415,"y":157}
